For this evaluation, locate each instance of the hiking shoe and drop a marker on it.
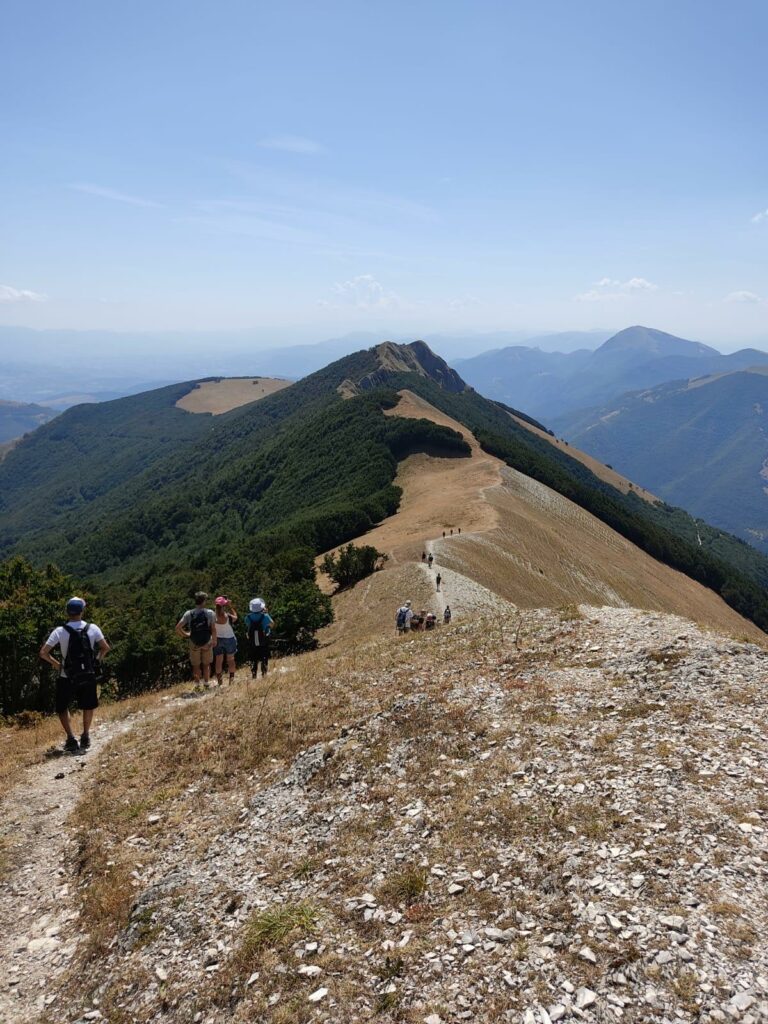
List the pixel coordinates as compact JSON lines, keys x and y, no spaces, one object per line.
{"x":85,"y":741}
{"x":71,"y":745}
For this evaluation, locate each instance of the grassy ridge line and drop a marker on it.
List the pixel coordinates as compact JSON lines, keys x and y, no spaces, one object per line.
{"x":723,"y":563}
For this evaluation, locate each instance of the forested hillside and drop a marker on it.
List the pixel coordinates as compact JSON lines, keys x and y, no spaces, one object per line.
{"x":144,"y":503}
{"x":702,"y":445}
{"x":18,"y":418}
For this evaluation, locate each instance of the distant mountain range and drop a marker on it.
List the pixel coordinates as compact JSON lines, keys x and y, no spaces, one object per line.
{"x":17,"y":418}
{"x":550,"y":384}
{"x":701,"y":444}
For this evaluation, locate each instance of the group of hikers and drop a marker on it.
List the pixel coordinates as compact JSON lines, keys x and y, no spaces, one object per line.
{"x":211,"y":642}
{"x":210,"y":637}
{"x":409,"y":621}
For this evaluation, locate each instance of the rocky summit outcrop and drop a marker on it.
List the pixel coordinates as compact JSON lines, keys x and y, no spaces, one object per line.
{"x":543,"y":816}
{"x":416,"y":357}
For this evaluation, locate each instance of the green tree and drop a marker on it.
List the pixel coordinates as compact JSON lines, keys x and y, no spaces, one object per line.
{"x":351,"y":564}
{"x":32,"y":603}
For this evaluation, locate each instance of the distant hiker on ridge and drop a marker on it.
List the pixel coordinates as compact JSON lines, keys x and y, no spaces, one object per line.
{"x":447,"y":614}
{"x":259,"y":624}
{"x":430,"y":560}
{"x":423,"y":556}
{"x":438,"y":581}
{"x":198,"y":626}
{"x":81,"y":647}
{"x":403,"y":617}
{"x":226,"y":641}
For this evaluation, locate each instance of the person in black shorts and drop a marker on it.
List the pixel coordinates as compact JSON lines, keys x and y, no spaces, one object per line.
{"x":81,"y":647}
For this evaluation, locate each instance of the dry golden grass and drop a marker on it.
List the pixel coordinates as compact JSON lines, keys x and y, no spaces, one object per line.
{"x":21,"y":748}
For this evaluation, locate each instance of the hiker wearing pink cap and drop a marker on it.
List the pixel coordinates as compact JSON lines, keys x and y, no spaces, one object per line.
{"x":226,"y":641}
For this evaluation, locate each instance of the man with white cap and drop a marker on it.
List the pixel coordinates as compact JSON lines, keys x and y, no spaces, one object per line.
{"x":259,"y":624}
{"x":403,"y":617}
{"x":81,"y":647}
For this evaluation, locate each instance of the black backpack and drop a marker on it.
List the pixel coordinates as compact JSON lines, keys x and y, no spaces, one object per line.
{"x":199,"y":627}
{"x":80,"y":664}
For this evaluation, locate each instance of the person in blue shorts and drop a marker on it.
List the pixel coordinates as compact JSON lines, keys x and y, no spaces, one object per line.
{"x":226,"y":641}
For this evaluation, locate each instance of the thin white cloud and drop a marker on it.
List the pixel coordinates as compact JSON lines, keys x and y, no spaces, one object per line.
{"x":760,"y":215}
{"x":743,"y":296}
{"x":468,"y":302}
{"x":362,"y":292}
{"x":611,"y":289}
{"x":10,"y":294}
{"x":111,"y":193}
{"x":292,"y":144}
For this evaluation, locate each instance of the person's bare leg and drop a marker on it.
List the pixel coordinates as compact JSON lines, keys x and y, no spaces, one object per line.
{"x":206,"y":671}
{"x":66,"y":723}
{"x":219,"y":667}
{"x":231,"y":666}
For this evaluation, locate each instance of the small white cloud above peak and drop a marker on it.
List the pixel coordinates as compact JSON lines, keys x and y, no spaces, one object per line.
{"x":760,"y":216}
{"x":743,"y":296}
{"x":111,"y":193}
{"x":10,"y":294}
{"x":292,"y":144}
{"x":609,"y":288}
{"x":362,"y":292}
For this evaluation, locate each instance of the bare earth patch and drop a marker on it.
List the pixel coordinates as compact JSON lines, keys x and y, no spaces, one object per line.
{"x":218,"y":396}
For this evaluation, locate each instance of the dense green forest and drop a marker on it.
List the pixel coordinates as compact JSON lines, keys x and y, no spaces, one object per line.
{"x":245,"y":525}
{"x":143,"y":504}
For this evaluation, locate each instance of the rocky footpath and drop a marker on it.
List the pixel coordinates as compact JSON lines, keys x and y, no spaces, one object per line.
{"x":553,"y":815}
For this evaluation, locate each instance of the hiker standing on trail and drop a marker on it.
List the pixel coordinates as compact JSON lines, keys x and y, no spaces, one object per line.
{"x":81,"y":647}
{"x":198,"y":626}
{"x":403,"y":617}
{"x":443,"y":534}
{"x":423,"y":556}
{"x":226,"y":641}
{"x":259,"y":624}
{"x":447,"y":614}
{"x":438,"y":581}
{"x":430,"y":560}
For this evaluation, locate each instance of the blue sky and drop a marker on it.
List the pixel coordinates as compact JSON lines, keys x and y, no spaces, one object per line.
{"x":320,"y":167}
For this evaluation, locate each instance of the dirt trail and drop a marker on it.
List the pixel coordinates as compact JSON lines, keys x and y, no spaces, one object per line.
{"x":37,"y":942}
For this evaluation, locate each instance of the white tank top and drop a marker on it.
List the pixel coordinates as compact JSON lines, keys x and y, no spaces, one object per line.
{"x":224,"y":630}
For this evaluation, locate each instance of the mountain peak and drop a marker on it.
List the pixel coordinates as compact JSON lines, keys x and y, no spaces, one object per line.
{"x":648,"y":340}
{"x":416,"y":357}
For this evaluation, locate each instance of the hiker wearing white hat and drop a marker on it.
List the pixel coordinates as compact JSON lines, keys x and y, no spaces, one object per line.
{"x":258,"y":623}
{"x":81,"y":647}
{"x":403,"y":617}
